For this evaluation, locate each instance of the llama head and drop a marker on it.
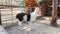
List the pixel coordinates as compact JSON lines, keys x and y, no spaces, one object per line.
{"x":22,"y":10}
{"x":35,"y":11}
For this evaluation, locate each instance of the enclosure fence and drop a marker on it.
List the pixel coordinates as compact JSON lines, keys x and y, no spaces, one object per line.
{"x":8,"y":16}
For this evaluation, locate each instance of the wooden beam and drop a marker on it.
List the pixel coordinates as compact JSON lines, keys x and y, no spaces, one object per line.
{"x":0,"y":18}
{"x":54,"y":12}
{"x":58,"y":0}
{"x":43,"y":7}
{"x":9,"y":5}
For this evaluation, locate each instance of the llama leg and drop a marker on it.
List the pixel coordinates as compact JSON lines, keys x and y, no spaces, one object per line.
{"x":30,"y":25}
{"x":33,"y":21}
{"x":29,"y":28}
{"x":20,"y":25}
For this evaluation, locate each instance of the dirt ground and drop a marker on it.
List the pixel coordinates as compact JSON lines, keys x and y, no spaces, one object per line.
{"x":41,"y":26}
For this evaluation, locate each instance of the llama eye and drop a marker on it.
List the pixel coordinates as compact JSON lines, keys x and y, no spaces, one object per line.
{"x":32,"y":11}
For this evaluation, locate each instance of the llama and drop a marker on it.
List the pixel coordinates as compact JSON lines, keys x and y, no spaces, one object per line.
{"x":30,"y":18}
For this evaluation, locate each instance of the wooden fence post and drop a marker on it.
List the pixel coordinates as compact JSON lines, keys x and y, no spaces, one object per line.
{"x":0,"y":18}
{"x":54,"y":12}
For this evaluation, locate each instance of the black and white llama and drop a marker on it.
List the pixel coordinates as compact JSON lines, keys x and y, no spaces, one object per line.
{"x":29,"y":18}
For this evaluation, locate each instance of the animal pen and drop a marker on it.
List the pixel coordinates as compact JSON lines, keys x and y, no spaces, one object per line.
{"x":8,"y":12}
{"x":48,"y":8}
{"x":42,"y":4}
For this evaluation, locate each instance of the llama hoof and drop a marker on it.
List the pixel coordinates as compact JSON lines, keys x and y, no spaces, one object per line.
{"x":19,"y":28}
{"x":28,"y":29}
{"x":24,"y":28}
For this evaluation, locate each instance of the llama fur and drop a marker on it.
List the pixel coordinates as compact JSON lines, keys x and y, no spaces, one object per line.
{"x":30,"y":18}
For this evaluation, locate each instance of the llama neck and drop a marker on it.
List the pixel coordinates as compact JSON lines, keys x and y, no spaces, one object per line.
{"x":35,"y":11}
{"x":34,"y":14}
